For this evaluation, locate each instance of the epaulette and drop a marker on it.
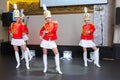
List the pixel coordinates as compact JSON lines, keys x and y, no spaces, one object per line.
{"x":43,"y":25}
{"x":23,"y":23}
{"x":12,"y":24}
{"x":92,"y":24}
{"x":55,"y":21}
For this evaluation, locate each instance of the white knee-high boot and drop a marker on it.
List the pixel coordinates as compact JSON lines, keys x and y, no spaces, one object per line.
{"x":85,"y":58}
{"x":91,"y":57}
{"x":57,"y":62}
{"x":45,"y":62}
{"x":26,"y":60}
{"x":96,"y":58}
{"x":17,"y":59}
{"x":23,"y":55}
{"x":29,"y":54}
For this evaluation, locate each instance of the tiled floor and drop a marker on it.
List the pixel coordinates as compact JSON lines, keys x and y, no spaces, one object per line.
{"x":72,"y":70}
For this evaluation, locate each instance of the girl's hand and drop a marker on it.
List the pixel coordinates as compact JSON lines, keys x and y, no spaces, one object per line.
{"x":41,"y":39}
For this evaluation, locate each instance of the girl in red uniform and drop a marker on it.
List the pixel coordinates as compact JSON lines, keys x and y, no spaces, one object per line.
{"x":25,"y":36}
{"x":16,"y":31}
{"x":49,"y":30}
{"x":86,"y":40}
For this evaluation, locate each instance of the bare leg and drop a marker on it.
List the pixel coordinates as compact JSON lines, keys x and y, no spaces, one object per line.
{"x":94,"y":48}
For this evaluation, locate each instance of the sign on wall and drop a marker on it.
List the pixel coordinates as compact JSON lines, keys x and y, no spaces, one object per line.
{"x":71,"y":2}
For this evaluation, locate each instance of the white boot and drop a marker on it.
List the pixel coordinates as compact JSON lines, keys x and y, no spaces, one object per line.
{"x":45,"y":62}
{"x":17,"y":59}
{"x":91,"y":57}
{"x":26,"y":60}
{"x":57,"y":62}
{"x":23,"y":55}
{"x":85,"y":58}
{"x":29,"y":54}
{"x":96,"y":58}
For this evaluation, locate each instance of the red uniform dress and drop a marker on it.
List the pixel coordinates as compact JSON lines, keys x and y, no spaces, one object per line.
{"x":49,"y":30}
{"x":16,"y":31}
{"x":25,"y":29}
{"x":26,"y":32}
{"x":87,"y":36}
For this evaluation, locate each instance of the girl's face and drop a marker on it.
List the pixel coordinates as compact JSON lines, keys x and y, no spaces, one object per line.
{"x":18,"y":19}
{"x":87,"y":21}
{"x":48,"y":19}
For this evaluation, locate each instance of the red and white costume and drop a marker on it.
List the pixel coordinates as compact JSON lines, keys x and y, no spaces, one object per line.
{"x":26,"y":32}
{"x":49,"y":30}
{"x":87,"y":36}
{"x":16,"y":30}
{"x":86,"y":40}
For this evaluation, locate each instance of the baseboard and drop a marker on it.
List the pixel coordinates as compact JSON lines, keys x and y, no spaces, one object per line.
{"x":105,"y":51}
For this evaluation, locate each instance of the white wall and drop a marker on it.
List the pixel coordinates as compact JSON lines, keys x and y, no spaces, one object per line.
{"x":3,"y":30}
{"x":68,"y":31}
{"x":69,"y":26}
{"x":117,"y":27}
{"x":104,"y":21}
